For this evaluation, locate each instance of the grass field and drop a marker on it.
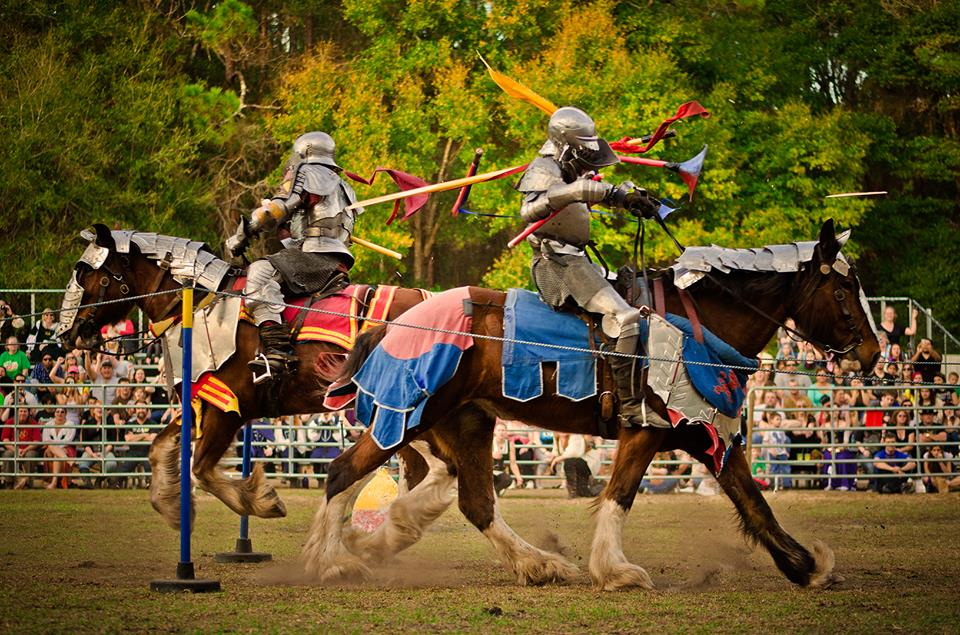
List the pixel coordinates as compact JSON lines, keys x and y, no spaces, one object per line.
{"x":80,"y":561}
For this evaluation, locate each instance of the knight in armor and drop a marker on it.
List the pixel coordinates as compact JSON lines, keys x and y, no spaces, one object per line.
{"x":313,"y":200}
{"x":561,"y":178}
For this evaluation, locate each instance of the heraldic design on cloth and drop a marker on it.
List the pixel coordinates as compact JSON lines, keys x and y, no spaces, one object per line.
{"x":343,"y":329}
{"x":527,"y":318}
{"x":396,"y":382}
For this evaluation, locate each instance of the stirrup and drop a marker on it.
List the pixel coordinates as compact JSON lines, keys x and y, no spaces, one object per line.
{"x":266,"y":375}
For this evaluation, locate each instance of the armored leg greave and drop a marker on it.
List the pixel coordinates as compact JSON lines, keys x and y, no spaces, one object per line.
{"x":265,"y":301}
{"x":264,"y":298}
{"x":626,"y":372}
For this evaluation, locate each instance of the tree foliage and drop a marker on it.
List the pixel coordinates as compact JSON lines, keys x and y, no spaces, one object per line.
{"x":175,"y":117}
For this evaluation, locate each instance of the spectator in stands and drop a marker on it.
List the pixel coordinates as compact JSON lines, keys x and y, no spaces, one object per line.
{"x":783,"y":379}
{"x":951,"y":425}
{"x":662,"y":479}
{"x":43,"y":338}
{"x":19,"y":394}
{"x":40,"y":374}
{"x":14,"y":361}
{"x":101,"y":372}
{"x":927,"y":359}
{"x":776,"y":451}
{"x":939,"y":469}
{"x":11,"y":324}
{"x":785,"y":339}
{"x":58,"y":437}
{"x":21,"y":443}
{"x":896,"y":354}
{"x":506,"y":470}
{"x":122,"y":329}
{"x":263,"y":444}
{"x":95,"y":443}
{"x":810,"y":358}
{"x":325,"y":441}
{"x":903,"y":430}
{"x":770,"y":400}
{"x":931,"y":430}
{"x":893,"y":330}
{"x":73,"y":400}
{"x":138,"y":433}
{"x":891,"y":461}
{"x":821,"y":386}
{"x":759,"y":467}
{"x":571,"y":450}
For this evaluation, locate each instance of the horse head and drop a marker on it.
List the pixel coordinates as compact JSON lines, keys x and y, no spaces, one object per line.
{"x":95,"y":295}
{"x":831,"y":308}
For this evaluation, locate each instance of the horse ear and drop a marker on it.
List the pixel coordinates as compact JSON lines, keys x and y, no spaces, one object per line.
{"x":104,"y":236}
{"x":828,"y":246}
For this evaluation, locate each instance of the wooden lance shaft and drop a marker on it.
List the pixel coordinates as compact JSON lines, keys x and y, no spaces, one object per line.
{"x":377,"y":248}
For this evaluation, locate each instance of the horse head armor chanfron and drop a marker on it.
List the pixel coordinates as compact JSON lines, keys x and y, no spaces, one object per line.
{"x":109,"y":253}
{"x":822,"y":273}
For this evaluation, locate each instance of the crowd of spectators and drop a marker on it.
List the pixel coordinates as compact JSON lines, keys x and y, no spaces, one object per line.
{"x":896,"y":430}
{"x":69,"y":413}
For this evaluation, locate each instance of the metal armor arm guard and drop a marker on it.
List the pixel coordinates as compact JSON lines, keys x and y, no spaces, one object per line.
{"x":587,"y":191}
{"x":273,"y":213}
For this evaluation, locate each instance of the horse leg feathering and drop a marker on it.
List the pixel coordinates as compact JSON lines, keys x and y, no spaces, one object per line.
{"x":468,"y":436}
{"x":165,"y":482}
{"x":410,"y":514}
{"x":325,"y":556}
{"x":252,"y":496}
{"x":609,"y":567}
{"x":758,"y":524}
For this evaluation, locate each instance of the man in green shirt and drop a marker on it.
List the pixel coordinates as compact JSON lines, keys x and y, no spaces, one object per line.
{"x":13,"y":361}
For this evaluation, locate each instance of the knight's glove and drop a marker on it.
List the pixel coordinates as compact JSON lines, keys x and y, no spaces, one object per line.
{"x":616,"y":197}
{"x":641,"y":204}
{"x":237,"y":244}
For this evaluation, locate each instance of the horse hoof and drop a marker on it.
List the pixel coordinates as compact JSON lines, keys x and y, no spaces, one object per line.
{"x":544,"y":570}
{"x":624,"y":575}
{"x":822,"y":575}
{"x":344,"y":569}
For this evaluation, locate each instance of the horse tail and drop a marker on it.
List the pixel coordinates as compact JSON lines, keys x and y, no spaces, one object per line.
{"x":362,"y":348}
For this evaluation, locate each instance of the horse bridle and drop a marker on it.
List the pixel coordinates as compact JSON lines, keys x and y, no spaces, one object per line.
{"x":839,"y":295}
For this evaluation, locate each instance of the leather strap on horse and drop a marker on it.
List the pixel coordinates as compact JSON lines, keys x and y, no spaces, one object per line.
{"x":659,"y":305}
{"x":691,"y":314}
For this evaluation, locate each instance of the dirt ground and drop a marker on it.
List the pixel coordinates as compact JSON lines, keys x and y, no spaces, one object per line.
{"x":81,"y":561}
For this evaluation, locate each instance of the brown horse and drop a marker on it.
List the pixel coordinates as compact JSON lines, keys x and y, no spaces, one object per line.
{"x":107,"y":277}
{"x":741,"y":307}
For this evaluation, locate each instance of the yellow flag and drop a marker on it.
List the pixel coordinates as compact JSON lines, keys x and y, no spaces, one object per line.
{"x":518,"y":90}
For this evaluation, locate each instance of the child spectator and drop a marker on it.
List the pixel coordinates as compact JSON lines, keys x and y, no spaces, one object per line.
{"x":777,"y":452}
{"x":138,"y":433}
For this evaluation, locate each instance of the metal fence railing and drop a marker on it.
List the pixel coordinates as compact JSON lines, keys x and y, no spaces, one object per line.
{"x":833,"y":446}
{"x":880,"y":442}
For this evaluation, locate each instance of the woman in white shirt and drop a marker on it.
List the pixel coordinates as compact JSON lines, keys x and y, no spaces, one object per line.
{"x":57,"y":436}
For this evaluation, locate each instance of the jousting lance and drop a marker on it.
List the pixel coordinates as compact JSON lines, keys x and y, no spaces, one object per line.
{"x":439,"y":187}
{"x":377,"y":248}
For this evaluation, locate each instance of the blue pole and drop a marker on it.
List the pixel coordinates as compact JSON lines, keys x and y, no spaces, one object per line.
{"x":186,"y":423}
{"x":245,"y":472}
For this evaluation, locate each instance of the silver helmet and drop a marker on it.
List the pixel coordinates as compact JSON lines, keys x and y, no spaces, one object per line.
{"x":314,"y":147}
{"x":572,"y":138}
